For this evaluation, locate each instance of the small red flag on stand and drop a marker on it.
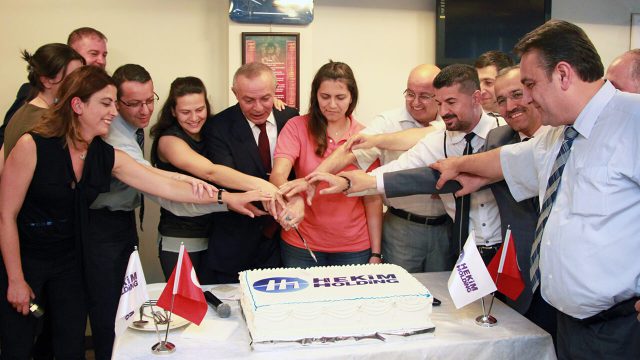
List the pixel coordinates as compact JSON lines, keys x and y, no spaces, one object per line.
{"x":504,"y":269}
{"x":189,"y":301}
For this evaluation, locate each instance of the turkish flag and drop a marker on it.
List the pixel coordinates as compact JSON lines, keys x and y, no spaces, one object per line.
{"x":189,"y":299}
{"x":505,"y":271}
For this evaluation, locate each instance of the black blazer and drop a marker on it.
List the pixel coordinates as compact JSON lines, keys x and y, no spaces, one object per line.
{"x":236,"y":242}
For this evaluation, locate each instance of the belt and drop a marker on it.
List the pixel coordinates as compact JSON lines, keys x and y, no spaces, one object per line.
{"x":418,"y":218}
{"x":488,"y":247}
{"x":623,"y":308}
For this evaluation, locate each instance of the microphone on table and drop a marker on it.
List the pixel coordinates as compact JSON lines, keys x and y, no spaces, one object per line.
{"x":223,"y":310}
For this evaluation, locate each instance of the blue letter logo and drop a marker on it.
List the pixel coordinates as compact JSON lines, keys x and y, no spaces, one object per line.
{"x":280,"y":284}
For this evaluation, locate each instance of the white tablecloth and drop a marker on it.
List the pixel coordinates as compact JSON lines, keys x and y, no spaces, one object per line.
{"x":456,"y":337}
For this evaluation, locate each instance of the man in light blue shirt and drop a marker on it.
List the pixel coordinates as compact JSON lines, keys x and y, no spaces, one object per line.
{"x":112,"y":233}
{"x":586,"y":173}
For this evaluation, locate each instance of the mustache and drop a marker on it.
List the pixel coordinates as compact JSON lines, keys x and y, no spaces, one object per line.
{"x":515,"y":110}
{"x":449,"y":116}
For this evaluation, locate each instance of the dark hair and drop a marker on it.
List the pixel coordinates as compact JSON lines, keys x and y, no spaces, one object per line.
{"x":496,"y":58}
{"x":48,"y":61}
{"x":507,"y":70}
{"x":60,"y":120}
{"x":83,"y":32}
{"x":464,"y":75}
{"x":338,"y":71}
{"x":559,"y":40}
{"x":179,"y":87}
{"x":130,"y":72}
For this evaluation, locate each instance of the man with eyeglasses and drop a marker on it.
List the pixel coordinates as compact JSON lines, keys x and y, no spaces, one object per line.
{"x":415,"y":231}
{"x":111,"y":234}
{"x":524,"y":123}
{"x":458,"y":97}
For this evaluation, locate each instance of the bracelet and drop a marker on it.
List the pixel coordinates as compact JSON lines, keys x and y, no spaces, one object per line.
{"x":220,"y":191}
{"x":378,"y":255}
{"x":348,"y":183}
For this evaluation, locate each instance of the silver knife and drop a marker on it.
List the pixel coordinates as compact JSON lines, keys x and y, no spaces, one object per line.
{"x":295,"y":227}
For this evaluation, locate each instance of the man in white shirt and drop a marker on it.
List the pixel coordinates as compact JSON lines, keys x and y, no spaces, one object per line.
{"x":415,"y":231}
{"x":586,"y":173}
{"x":457,"y":91}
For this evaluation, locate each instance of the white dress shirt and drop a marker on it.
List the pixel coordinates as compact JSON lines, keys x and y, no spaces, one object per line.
{"x":390,"y":122}
{"x":589,"y":250}
{"x":483,"y":216}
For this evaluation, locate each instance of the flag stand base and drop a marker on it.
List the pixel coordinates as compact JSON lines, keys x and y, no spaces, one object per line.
{"x":486,"y":321}
{"x":163,"y":348}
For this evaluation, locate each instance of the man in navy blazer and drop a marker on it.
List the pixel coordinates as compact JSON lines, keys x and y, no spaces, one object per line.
{"x":238,"y":242}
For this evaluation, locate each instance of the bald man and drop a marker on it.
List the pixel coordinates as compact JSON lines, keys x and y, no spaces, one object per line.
{"x":624,"y":72}
{"x":415,"y":229}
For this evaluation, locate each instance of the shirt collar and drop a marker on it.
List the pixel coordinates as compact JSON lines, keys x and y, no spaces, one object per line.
{"x":119,"y":120}
{"x":588,"y":116}
{"x":406,"y":117}
{"x":537,"y":133}
{"x":486,"y":124}
{"x":270,"y":119}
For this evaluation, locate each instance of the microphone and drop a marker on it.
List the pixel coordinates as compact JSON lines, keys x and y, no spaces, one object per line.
{"x":36,"y":309}
{"x":223,"y":310}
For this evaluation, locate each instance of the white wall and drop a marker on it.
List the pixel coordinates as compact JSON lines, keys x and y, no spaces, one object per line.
{"x":381,"y":40}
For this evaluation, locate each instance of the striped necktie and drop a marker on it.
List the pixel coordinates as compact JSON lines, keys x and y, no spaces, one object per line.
{"x":549,"y":198}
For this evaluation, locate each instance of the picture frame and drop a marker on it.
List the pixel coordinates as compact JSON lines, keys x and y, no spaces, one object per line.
{"x":281,"y":52}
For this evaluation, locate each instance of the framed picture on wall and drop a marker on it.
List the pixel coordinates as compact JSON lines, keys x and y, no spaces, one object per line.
{"x":281,"y":52}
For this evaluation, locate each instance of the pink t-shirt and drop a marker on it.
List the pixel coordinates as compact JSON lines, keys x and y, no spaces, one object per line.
{"x":335,"y":223}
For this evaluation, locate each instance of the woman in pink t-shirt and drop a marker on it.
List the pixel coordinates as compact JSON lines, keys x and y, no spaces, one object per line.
{"x":338,"y":229}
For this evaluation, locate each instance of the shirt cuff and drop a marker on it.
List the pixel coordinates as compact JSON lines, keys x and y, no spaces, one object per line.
{"x":380,"y":183}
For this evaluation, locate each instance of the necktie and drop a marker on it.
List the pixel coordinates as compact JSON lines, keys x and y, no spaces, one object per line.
{"x":269,"y":225}
{"x":549,"y":198}
{"x":264,"y":148}
{"x":140,"y":141}
{"x":463,"y":203}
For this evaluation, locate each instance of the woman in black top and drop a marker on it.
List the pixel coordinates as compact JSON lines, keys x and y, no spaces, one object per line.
{"x":178,"y":147}
{"x":52,"y":176}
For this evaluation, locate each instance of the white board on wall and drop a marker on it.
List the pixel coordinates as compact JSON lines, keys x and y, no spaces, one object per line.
{"x":635,"y":31}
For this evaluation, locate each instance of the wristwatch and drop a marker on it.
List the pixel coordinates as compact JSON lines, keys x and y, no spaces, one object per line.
{"x":378,"y":255}
{"x":220,"y":191}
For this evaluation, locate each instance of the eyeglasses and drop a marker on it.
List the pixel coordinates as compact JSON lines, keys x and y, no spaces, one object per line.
{"x":138,"y":104}
{"x":423,"y":97}
{"x":515,"y":95}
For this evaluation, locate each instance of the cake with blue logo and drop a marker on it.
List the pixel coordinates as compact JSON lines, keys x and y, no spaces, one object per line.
{"x":333,"y":301}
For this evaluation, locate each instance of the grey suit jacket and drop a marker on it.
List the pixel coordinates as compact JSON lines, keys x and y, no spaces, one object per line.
{"x":521,"y":216}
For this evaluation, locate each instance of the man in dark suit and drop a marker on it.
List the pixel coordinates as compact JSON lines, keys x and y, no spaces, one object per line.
{"x":524,"y":123}
{"x":243,"y":137}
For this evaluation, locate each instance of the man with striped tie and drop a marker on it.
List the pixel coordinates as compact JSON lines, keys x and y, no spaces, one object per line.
{"x":586,"y":173}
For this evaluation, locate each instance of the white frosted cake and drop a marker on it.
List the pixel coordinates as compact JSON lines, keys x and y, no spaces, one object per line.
{"x":333,"y":301}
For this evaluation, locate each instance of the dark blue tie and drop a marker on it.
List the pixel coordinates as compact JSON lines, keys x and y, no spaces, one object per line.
{"x":463,"y":204}
{"x":140,"y":141}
